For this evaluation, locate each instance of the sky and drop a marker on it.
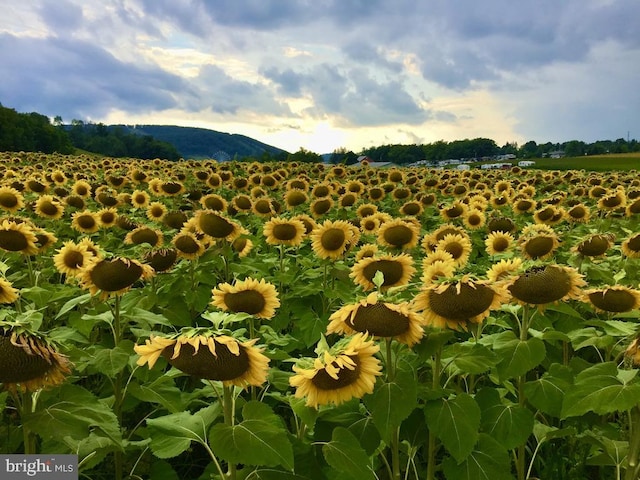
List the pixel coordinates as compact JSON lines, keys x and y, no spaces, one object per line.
{"x":329,"y":74}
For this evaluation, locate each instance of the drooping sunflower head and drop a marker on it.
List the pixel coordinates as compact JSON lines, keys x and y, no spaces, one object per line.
{"x":281,"y":231}
{"x":631,"y":246}
{"x":188,"y":245}
{"x":30,"y":362}
{"x":205,"y":354}
{"x":216,"y":225}
{"x":144,"y":235}
{"x":332,"y":238}
{"x":397,"y":271}
{"x":250,"y":296}
{"x":613,"y":299}
{"x":501,"y":224}
{"x":544,"y":284}
{"x":398,"y":234}
{"x":455,"y":304}
{"x":612,"y":200}
{"x":17,"y":237}
{"x":346,"y":371}
{"x":578,"y":213}
{"x":44,"y":240}
{"x":594,"y":245}
{"x":113,"y":276}
{"x":161,"y":259}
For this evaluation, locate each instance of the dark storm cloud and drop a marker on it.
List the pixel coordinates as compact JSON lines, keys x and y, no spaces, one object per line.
{"x":75,"y":79}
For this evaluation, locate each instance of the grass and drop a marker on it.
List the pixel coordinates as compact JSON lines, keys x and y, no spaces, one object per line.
{"x":596,"y":163}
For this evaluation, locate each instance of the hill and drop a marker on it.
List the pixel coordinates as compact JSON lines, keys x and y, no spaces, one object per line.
{"x":198,"y":143}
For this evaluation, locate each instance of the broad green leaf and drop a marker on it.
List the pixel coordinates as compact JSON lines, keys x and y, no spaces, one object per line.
{"x":589,"y":337}
{"x":470,"y":357}
{"x":547,"y":392}
{"x":259,"y":439}
{"x":73,"y":411}
{"x":392,"y":402}
{"x":366,"y":433}
{"x":172,"y":434}
{"x":308,"y":415}
{"x":599,"y":389}
{"x":109,"y":361}
{"x":487,"y":461}
{"x":161,"y":391}
{"x":510,"y":424}
{"x":345,"y":455}
{"x":145,"y":319}
{"x":615,"y":328}
{"x":455,"y":422}
{"x":73,"y":303}
{"x":519,"y":356}
{"x":545,"y":433}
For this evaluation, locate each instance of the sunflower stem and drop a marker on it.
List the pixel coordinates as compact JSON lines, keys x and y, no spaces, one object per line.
{"x":633,"y":465}
{"x":391,"y":371}
{"x":228,"y":406}
{"x":524,"y":334}
{"x":395,"y":454}
{"x":435,"y":384}
{"x":24,"y":404}
{"x":118,"y":457}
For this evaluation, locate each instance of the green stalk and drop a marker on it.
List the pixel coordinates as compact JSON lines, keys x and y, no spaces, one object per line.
{"x":395,"y":454}
{"x":228,"y":405}
{"x":524,"y":333}
{"x":633,"y":465}
{"x":435,"y":384}
{"x":118,"y":455}
{"x":24,"y":405}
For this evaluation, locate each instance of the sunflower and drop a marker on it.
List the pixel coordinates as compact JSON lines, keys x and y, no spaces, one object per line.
{"x":429,"y":241}
{"x":30,"y":362}
{"x":11,"y":200}
{"x":108,"y":217}
{"x":579,"y":213}
{"x":501,"y":224}
{"x":523,"y":205}
{"x":280,"y":231}
{"x":458,"y":246}
{"x":140,"y":199}
{"x":250,"y":296}
{"x":498,"y":242}
{"x":612,"y":299}
{"x":437,"y":270}
{"x":541,"y":285}
{"x":594,"y":245}
{"x":612,"y":200}
{"x":396,"y":270}
{"x":454,"y":304}
{"x":142,"y":235}
{"x":188,"y":245}
{"x":331,"y":239}
{"x":242,"y":246}
{"x":113,"y":276}
{"x":503,"y":270}
{"x":214,"y":202}
{"x":412,"y":208}
{"x":474,"y":219}
{"x":320,"y":206}
{"x":456,"y":209}
{"x":44,"y":240}
{"x":366,"y":250}
{"x":204,"y":354}
{"x":72,"y":258}
{"x":398,"y":234}
{"x":17,"y":237}
{"x":346,"y":371}
{"x":263,"y":207}
{"x":171,"y":188}
{"x":630,"y":247}
{"x":538,"y":247}
{"x":436,"y":256}
{"x":380,"y":319}
{"x":8,"y":294}
{"x":216,"y":225}
{"x":295,"y":197}
{"x":85,"y":222}
{"x":156,"y":211}
{"x":161,"y":259}
{"x":548,"y":215}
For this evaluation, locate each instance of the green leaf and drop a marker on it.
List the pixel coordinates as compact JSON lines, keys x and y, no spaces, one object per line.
{"x":271,"y":474}
{"x":345,"y":455}
{"x":547,"y":392}
{"x":73,"y":303}
{"x":487,"y":461}
{"x":308,"y":415}
{"x":392,"y":402}
{"x":470,"y":357}
{"x":508,"y":423}
{"x":519,"y":356}
{"x":110,"y":361}
{"x":600,"y":389}
{"x":172,"y":434}
{"x":455,"y":422}
{"x":366,"y":433}
{"x":161,"y":391}
{"x":73,"y":412}
{"x":260,"y":439}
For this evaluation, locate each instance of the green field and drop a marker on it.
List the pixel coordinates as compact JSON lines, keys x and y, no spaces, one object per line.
{"x":600,"y":163}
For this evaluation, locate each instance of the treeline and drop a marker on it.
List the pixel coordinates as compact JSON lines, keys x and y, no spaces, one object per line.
{"x":31,"y":132}
{"x":34,"y":132}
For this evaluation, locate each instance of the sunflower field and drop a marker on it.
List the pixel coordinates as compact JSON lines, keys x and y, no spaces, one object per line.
{"x":286,"y":321}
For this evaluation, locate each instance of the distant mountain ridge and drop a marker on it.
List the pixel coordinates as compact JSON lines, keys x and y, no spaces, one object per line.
{"x":198,"y":143}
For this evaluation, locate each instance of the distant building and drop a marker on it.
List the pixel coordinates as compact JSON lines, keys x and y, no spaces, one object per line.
{"x":555,"y":154}
{"x":365,"y":161}
{"x":526,"y":163}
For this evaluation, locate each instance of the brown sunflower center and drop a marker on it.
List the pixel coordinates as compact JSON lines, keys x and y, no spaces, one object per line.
{"x":321,"y":206}
{"x":398,"y":235}
{"x":346,"y":376}
{"x":411,"y":208}
{"x":8,"y":200}
{"x":114,"y":275}
{"x":546,"y":214}
{"x":215,"y":226}
{"x":333,"y":239}
{"x":86,"y":221}
{"x":612,"y":201}
{"x":243,"y":202}
{"x":171,"y":187}
{"x":539,"y":246}
{"x":73,"y":259}
{"x":456,"y":249}
{"x":263,"y":206}
{"x":613,"y":300}
{"x":187,"y":244}
{"x":18,"y":365}
{"x":222,"y":366}
{"x":145,"y":235}
{"x":285,"y":231}
{"x":634,"y":243}
{"x":577,"y":212}
{"x":469,"y":301}
{"x":540,"y":285}
{"x":246,"y":301}
{"x":594,"y":246}
{"x":391,"y":270}
{"x":13,"y":240}
{"x":295,"y":198}
{"x":162,"y":260}
{"x":500,"y":244}
{"x":379,"y":320}
{"x":214,"y":203}
{"x":454,"y":211}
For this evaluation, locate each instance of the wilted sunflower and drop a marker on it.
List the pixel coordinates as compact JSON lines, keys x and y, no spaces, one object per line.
{"x":8,"y":294}
{"x":613,"y":299}
{"x":29,"y":362}
{"x":250,"y":296}
{"x":458,"y":246}
{"x":346,"y":371}
{"x":455,"y":304}
{"x":85,"y":222}
{"x":113,"y":276}
{"x":630,"y":247}
{"x":612,"y":200}
{"x":632,"y":208}
{"x":498,"y":242}
{"x":203,"y":354}
{"x":72,"y":258}
{"x":282,"y":231}
{"x":11,"y":200}
{"x":188,"y":245}
{"x":538,"y":247}
{"x":396,"y":270}
{"x":142,"y":235}
{"x":44,"y":239}
{"x":216,"y":225}
{"x":541,"y":285}
{"x":161,"y":259}
{"x":331,"y":238}
{"x":17,"y":237}
{"x":503,"y":270}
{"x":379,"y":319}
{"x":594,"y":245}
{"x":398,"y":234}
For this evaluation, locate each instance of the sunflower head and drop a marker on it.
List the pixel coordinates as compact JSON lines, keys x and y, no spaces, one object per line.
{"x":332,"y":238}
{"x":594,"y":245}
{"x":279,"y":231}
{"x":544,"y":284}
{"x":398,"y":234}
{"x":250,"y":296}
{"x":216,"y":225}
{"x":615,"y":299}
{"x":17,"y":237}
{"x":498,"y":242}
{"x":161,"y":259}
{"x":631,"y":246}
{"x":396,"y":270}
{"x":113,"y":276}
